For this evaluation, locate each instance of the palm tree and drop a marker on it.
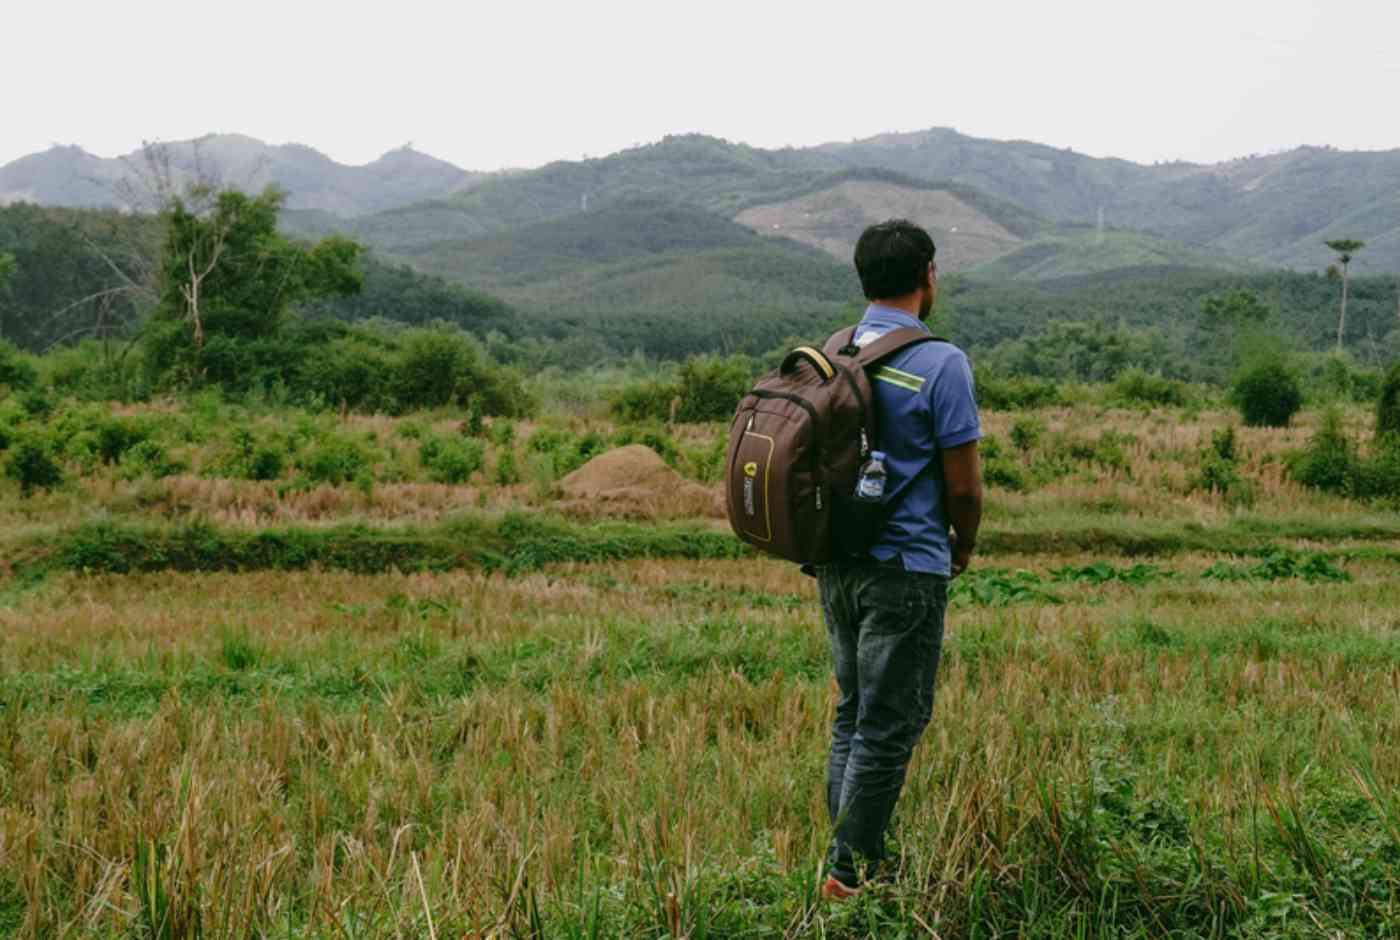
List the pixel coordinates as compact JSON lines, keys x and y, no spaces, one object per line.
{"x":1345,"y":248}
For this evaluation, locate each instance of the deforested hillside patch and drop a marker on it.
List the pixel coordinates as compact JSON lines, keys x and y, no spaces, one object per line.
{"x":833,"y":218}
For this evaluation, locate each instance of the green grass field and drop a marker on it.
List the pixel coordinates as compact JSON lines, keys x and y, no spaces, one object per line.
{"x":228,"y":710}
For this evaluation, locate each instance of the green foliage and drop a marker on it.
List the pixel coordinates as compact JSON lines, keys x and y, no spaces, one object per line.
{"x":565,"y":452}
{"x":1219,"y":469}
{"x":999,"y":469}
{"x":707,"y":388}
{"x":1137,"y":386}
{"x":37,"y":403}
{"x":1279,"y":564}
{"x":507,"y":469}
{"x":149,"y":459}
{"x":335,"y":459}
{"x":116,"y":436}
{"x":1329,"y":460}
{"x":502,"y":432}
{"x":1026,"y":433}
{"x":1268,"y":394}
{"x":16,"y":373}
{"x":711,"y":386}
{"x":474,"y":424}
{"x":227,"y":280}
{"x":31,"y":462}
{"x":1388,"y":403}
{"x":451,"y":459}
{"x":1015,"y":394}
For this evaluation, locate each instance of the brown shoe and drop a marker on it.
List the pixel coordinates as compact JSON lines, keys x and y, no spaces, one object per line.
{"x":835,"y":890}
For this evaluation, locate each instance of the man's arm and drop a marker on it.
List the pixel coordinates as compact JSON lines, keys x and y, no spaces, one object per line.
{"x":962,"y":499}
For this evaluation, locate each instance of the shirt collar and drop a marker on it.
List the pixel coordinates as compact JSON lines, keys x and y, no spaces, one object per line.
{"x":895,"y":318}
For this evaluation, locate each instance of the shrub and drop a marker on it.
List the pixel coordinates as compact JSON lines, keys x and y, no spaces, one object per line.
{"x":115,"y":436}
{"x":451,"y":460}
{"x":1219,"y":472}
{"x":1268,"y":395}
{"x":507,"y":472}
{"x":1140,"y":387}
{"x":149,"y":459}
{"x":502,"y":432}
{"x":335,"y":460}
{"x":1388,"y":403}
{"x":998,"y":469}
{"x":1003,"y":394}
{"x":711,"y":386}
{"x":15,"y":371}
{"x":474,"y":424}
{"x":266,"y":463}
{"x":1026,"y":433}
{"x":31,"y":462}
{"x":645,"y":401}
{"x":1329,"y":460}
{"x":36,"y":403}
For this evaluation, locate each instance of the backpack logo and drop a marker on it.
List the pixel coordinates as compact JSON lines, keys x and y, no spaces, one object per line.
{"x":748,"y":495}
{"x":750,"y":469}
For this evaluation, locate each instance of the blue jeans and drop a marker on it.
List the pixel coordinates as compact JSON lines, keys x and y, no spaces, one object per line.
{"x":886,"y":628}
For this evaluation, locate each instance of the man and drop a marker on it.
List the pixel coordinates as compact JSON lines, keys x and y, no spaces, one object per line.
{"x":884,"y":613}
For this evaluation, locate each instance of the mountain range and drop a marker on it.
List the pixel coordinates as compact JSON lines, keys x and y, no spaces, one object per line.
{"x":694,"y":243}
{"x":1006,"y":209}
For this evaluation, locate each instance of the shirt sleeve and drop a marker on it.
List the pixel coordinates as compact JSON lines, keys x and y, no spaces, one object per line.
{"x":952,"y":403}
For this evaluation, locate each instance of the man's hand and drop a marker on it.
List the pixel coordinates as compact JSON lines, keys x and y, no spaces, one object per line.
{"x":962,"y":557}
{"x":962,"y":499}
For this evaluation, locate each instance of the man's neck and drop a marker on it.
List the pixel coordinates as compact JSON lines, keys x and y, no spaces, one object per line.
{"x":909,"y":304}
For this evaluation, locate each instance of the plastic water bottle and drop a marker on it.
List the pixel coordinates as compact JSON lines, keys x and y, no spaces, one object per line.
{"x":870,"y":487}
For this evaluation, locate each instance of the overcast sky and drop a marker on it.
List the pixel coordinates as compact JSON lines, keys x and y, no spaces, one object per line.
{"x":520,"y":83}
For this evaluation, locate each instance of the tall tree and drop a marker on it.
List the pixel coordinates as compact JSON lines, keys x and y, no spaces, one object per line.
{"x":1345,"y":249}
{"x":227,"y":272}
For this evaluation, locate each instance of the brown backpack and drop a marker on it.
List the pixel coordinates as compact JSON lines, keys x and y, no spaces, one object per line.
{"x":796,"y":446}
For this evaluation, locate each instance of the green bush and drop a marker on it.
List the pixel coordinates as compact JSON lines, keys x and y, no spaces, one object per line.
{"x":335,"y":460}
{"x":115,"y":436}
{"x":16,"y":372}
{"x":1268,"y":395}
{"x":36,"y":403}
{"x":1006,"y":394}
{"x":1329,"y":460}
{"x":1388,"y":403}
{"x":999,"y":469}
{"x":711,"y":387}
{"x":451,"y":459}
{"x":149,"y":459}
{"x":507,"y":471}
{"x":1137,"y":386}
{"x":645,"y":401}
{"x":1218,"y":472}
{"x":502,"y":432}
{"x":1026,"y":433}
{"x":31,"y":462}
{"x":474,"y":424}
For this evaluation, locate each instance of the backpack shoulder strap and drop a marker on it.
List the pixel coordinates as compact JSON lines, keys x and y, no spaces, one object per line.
{"x":891,"y":343}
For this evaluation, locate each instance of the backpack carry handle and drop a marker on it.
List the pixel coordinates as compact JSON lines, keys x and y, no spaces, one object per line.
{"x":813,"y":355}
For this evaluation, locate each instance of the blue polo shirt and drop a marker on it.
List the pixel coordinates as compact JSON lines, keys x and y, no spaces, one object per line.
{"x":925,"y":402}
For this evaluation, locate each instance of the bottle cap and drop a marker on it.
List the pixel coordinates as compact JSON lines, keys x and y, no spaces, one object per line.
{"x":877,"y":455}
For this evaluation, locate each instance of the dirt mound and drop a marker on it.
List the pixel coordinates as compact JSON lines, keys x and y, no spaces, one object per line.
{"x":634,"y":481}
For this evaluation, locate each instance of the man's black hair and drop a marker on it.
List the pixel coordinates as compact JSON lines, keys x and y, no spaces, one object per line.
{"x":892,"y":259}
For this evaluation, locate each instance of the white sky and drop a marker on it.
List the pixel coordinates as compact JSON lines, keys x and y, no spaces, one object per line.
{"x":519,"y":82}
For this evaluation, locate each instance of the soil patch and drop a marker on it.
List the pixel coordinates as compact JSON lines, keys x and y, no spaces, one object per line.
{"x":634,"y":482}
